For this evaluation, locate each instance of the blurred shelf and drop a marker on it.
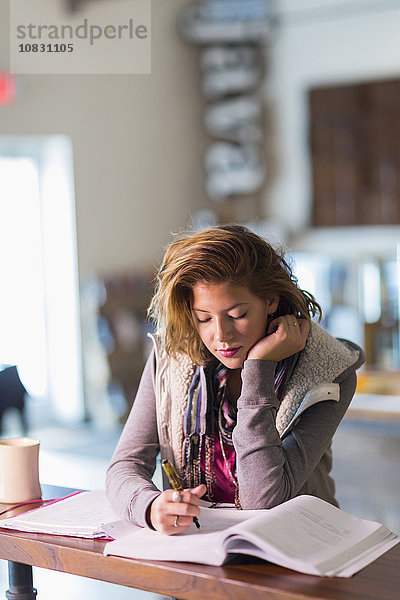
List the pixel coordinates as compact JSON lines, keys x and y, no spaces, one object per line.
{"x":349,"y":243}
{"x":379,"y":382}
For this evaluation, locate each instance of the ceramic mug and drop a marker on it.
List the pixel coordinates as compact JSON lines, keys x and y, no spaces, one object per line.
{"x":19,"y":470}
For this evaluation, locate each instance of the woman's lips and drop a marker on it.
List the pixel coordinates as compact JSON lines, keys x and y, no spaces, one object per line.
{"x":229,"y":352}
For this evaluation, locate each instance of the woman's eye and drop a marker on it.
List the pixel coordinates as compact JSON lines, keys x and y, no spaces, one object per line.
{"x":239,"y":317}
{"x":208,"y":319}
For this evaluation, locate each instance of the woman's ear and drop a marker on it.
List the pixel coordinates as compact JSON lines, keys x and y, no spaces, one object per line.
{"x":272,"y":303}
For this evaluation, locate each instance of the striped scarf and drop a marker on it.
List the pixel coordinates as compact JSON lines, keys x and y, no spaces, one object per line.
{"x":209,"y":411}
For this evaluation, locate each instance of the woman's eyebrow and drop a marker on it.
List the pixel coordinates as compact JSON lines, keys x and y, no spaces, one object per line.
{"x":226,"y":310}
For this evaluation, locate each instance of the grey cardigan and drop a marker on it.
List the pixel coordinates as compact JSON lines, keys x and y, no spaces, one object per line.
{"x":281,"y":450}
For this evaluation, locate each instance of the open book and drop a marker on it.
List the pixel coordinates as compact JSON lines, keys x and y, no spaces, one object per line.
{"x":305,"y":534}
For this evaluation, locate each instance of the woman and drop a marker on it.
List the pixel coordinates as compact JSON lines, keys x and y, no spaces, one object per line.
{"x":242,"y":392}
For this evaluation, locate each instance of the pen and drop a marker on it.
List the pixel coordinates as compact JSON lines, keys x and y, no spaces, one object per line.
{"x":175,"y":482}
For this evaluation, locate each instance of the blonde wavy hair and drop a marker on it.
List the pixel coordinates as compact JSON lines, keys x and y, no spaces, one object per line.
{"x":228,"y":253}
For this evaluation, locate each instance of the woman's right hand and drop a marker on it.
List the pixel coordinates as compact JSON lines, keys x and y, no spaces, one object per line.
{"x":163,"y":511}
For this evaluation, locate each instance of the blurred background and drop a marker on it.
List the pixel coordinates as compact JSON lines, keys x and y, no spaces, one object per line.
{"x":282,"y":115}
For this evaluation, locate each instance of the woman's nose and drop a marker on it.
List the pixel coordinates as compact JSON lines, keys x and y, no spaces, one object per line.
{"x":223,"y":331}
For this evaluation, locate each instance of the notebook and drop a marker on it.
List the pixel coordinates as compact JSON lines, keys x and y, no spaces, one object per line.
{"x":82,"y":514}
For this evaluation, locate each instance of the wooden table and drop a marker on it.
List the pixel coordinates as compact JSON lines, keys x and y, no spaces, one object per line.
{"x":249,"y":578}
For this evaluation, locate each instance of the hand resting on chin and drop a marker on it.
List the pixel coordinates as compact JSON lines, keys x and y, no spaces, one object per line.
{"x":286,"y":335}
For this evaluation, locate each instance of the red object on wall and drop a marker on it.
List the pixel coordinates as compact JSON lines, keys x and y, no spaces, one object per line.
{"x":7,"y":88}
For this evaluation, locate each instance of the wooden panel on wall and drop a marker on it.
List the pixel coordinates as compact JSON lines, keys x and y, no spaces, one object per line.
{"x":355,"y":151}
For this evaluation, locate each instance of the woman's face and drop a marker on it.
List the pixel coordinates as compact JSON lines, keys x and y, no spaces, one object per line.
{"x":230,"y":320}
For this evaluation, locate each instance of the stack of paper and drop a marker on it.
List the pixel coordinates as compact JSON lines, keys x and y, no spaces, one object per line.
{"x":81,"y":515}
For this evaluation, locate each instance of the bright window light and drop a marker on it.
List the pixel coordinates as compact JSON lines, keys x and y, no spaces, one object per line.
{"x":22,"y":311}
{"x":39,"y":297}
{"x":371,"y":291}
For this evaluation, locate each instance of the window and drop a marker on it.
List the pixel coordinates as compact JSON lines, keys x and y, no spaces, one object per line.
{"x":39,"y":315}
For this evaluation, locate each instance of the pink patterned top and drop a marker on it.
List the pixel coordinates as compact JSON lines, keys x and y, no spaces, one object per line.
{"x":223,"y":488}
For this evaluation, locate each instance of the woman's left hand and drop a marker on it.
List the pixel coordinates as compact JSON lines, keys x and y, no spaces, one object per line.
{"x":286,"y":335}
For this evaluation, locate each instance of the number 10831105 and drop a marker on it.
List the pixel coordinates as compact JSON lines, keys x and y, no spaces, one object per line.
{"x":45,"y":48}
